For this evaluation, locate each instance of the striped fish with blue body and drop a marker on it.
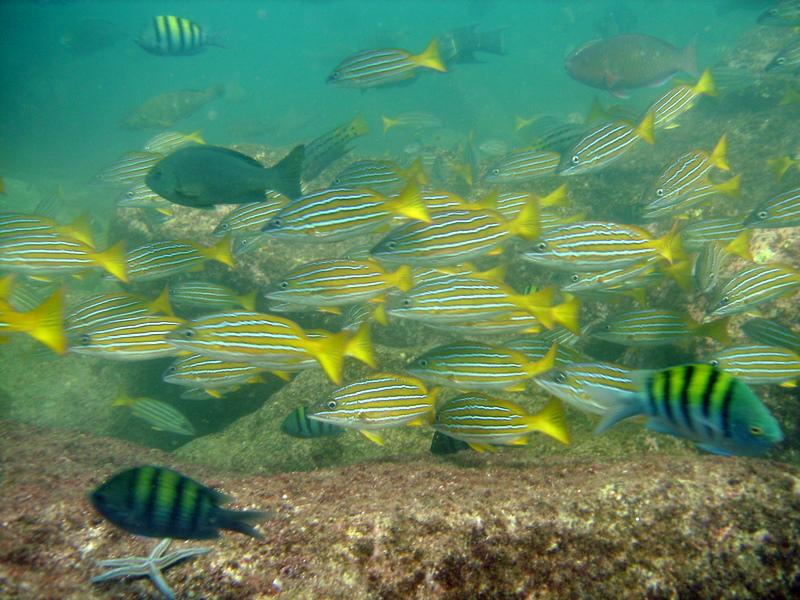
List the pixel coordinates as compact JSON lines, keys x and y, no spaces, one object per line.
{"x":523,"y":165}
{"x":379,"y":402}
{"x":206,"y":294}
{"x":129,"y":338}
{"x":657,"y":327}
{"x":484,"y":422}
{"x":159,"y":502}
{"x":297,"y":424}
{"x":478,"y":366}
{"x":772,"y":333}
{"x":159,"y":415}
{"x":758,"y":364}
{"x":703,"y":193}
{"x":753,"y":286}
{"x":99,"y":309}
{"x":339,"y":214}
{"x":571,"y":381}
{"x":386,"y":66}
{"x":781,"y":210}
{"x":168,"y":35}
{"x":698,"y":402}
{"x":158,"y":260}
{"x":251,"y":216}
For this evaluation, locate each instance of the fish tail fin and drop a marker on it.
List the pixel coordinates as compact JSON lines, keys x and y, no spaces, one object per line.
{"x":526,"y":223}
{"x":731,"y":187}
{"x":719,"y":155}
{"x":523,"y":122}
{"x":415,"y":172}
{"x":7,"y":283}
{"x":329,"y":351}
{"x":196,"y":137}
{"x":551,"y":421}
{"x":242,"y":521}
{"x":284,"y":177}
{"x":80,"y":229}
{"x":247,"y":301}
{"x":555,"y":198}
{"x":780,"y":165}
{"x":496,"y":274}
{"x":359,"y":126}
{"x":705,"y":85}
{"x":122,"y":399}
{"x":360,"y":346}
{"x":430,"y":57}
{"x":670,"y":246}
{"x":44,"y":323}
{"x":388,"y":123}
{"x":597,"y":112}
{"x":220,"y":252}
{"x":681,"y":272}
{"x":402,"y":278}
{"x":540,"y":304}
{"x":622,"y":406}
{"x":161,"y":304}
{"x":646,"y":130}
{"x":567,"y":314}
{"x":689,"y":58}
{"x":716,"y":330}
{"x":409,"y":204}
{"x":545,"y":363}
{"x":740,"y":246}
{"x":113,"y":261}
{"x":379,"y":314}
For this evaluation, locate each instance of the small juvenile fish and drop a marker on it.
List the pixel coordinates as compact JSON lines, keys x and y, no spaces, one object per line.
{"x":159,"y":415}
{"x":759,"y":365}
{"x":523,"y":165}
{"x":411,"y":120}
{"x":43,"y":322}
{"x":373,"y":68}
{"x":477,"y":366}
{"x":205,"y":294}
{"x":128,"y":338}
{"x":379,"y":402}
{"x":169,"y":141}
{"x":781,"y":210}
{"x":297,"y":424}
{"x":679,"y":100}
{"x":570,"y":382}
{"x":772,"y":333}
{"x":130,"y":169}
{"x":657,"y":327}
{"x":484,"y":422}
{"x":252,"y":216}
{"x":340,"y":214}
{"x":198,"y":371}
{"x":753,"y":286}
{"x":99,"y":309}
{"x":159,"y":502}
{"x":701,"y":403}
{"x":337,"y":282}
{"x":168,"y":35}
{"x":158,"y":260}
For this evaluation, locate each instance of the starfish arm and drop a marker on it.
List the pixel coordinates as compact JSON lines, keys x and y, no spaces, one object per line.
{"x":161,"y":583}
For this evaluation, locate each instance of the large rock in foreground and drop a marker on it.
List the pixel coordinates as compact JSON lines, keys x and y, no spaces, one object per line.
{"x":652,"y":526}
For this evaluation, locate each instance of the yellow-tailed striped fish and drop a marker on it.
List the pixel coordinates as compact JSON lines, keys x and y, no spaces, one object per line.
{"x":379,"y":402}
{"x":785,"y":13}
{"x":454,"y":236}
{"x":141,"y":196}
{"x":271,"y":341}
{"x":98,"y":309}
{"x":20,"y":224}
{"x":484,"y":422}
{"x":518,"y":321}
{"x":598,"y":245}
{"x":25,"y":294}
{"x":168,"y":35}
{"x":459,"y":299}
{"x":128,"y":338}
{"x":511,"y":203}
{"x":210,"y":374}
{"x":386,"y":66}
{"x":702,"y":193}
{"x":604,"y":145}
{"x":252,"y":216}
{"x":381,"y":175}
{"x":753,"y":286}
{"x":159,"y":415}
{"x":786,"y":60}
{"x":478,"y":366}
{"x":338,"y":282}
{"x":657,"y":327}
{"x":571,"y":381}
{"x":162,"y":259}
{"x":206,"y":294}
{"x":772,"y":333}
{"x":130,"y":169}
{"x":167,"y":142}
{"x":759,"y":364}
{"x":624,"y":277}
{"x":730,"y":232}
{"x":54,"y":254}
{"x":536,"y":347}
{"x":43,"y":322}
{"x":708,"y":267}
{"x":781,"y":210}
{"x":416,"y":119}
{"x":680,"y":99}
{"x":700,"y":403}
{"x":329,"y":147}
{"x":339,"y":214}
{"x":523,"y":165}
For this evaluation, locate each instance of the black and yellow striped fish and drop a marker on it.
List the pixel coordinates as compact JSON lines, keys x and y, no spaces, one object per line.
{"x":168,"y":35}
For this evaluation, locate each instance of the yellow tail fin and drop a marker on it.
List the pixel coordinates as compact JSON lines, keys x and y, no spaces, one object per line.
{"x":196,"y":137}
{"x":540,"y":305}
{"x":645,"y":129}
{"x":567,"y":314}
{"x":415,"y":173}
{"x":523,"y":122}
{"x":430,"y":57}
{"x":220,"y":252}
{"x":160,"y":304}
{"x":551,"y":421}
{"x":740,"y":246}
{"x":409,"y":204}
{"x":402,"y":278}
{"x":670,"y":246}
{"x":526,"y":223}
{"x":681,"y":272}
{"x":328,"y":351}
{"x":80,"y":229}
{"x":719,"y":155}
{"x":359,"y":126}
{"x":44,"y":323}
{"x":388,"y":123}
{"x":705,"y":85}
{"x":780,"y":165}
{"x":360,"y":346}
{"x":555,"y":198}
{"x":545,"y":363}
{"x":113,"y":261}
{"x":731,"y":187}
{"x":122,"y":399}
{"x":247,"y":301}
{"x":717,"y":330}
{"x":379,"y":314}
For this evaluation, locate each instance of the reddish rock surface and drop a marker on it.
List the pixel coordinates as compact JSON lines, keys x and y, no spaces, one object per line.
{"x":654,"y":526}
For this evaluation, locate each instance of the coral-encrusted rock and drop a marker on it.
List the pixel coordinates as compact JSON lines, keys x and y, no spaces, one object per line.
{"x":652,"y":526}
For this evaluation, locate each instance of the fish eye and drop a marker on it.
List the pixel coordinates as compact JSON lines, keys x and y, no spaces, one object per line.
{"x":170,"y":370}
{"x":189,"y":333}
{"x":283,"y":285}
{"x":495,"y":171}
{"x":714,"y":362}
{"x":275,"y":223}
{"x":130,"y":194}
{"x":575,"y":277}
{"x":85,"y":339}
{"x":391,"y":245}
{"x":756,"y":430}
{"x":762,"y":214}
{"x":724,"y":300}
{"x":607,"y":326}
{"x":560,"y":377}
{"x":331,"y":404}
{"x":660,"y":192}
{"x":780,"y":60}
{"x":223,"y":226}
{"x":407,"y":302}
{"x":541,"y":246}
{"x":335,"y":75}
{"x":576,"y":159}
{"x":422,"y":362}
{"x":337,"y":181}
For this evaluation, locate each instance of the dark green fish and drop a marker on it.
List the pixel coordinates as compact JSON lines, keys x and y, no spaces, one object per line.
{"x":203,"y":176}
{"x":159,"y":502}
{"x":297,"y":424}
{"x":459,"y":45}
{"x":442,"y":444}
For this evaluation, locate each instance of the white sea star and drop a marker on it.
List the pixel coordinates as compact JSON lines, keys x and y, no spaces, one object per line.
{"x":148,"y":566}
